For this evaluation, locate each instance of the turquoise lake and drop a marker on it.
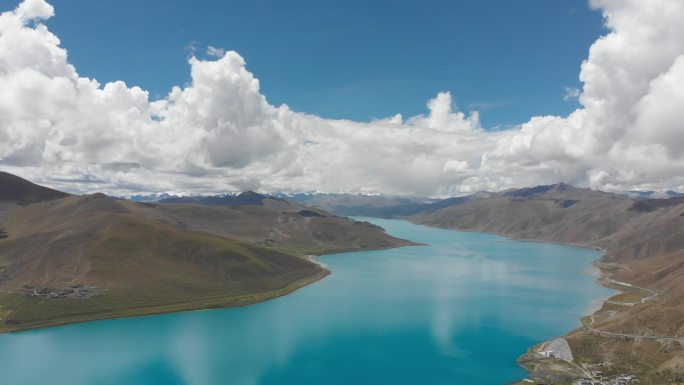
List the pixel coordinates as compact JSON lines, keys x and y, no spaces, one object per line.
{"x":459,"y":311}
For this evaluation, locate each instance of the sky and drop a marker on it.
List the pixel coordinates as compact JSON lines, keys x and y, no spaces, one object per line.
{"x":356,"y":60}
{"x":441,"y":99}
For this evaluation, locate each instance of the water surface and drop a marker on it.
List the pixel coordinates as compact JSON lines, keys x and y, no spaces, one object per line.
{"x":459,"y":311}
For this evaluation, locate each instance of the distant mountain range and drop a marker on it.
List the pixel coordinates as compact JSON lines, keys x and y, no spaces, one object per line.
{"x":149,"y":197}
{"x":362,"y":205}
{"x":243,"y":199}
{"x":654,"y":194}
{"x":384,"y":207}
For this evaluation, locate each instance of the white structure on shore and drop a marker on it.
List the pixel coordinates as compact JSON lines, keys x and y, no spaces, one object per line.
{"x":559,"y":349}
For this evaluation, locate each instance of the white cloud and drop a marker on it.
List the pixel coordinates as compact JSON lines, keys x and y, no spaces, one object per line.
{"x":571,"y":93}
{"x":220,"y":133}
{"x":34,"y":9}
{"x":443,"y":118}
{"x":628,"y":133}
{"x":216,"y":52}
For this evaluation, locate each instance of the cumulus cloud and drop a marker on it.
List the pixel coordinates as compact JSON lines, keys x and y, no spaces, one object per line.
{"x":34,"y":9}
{"x":443,"y":118}
{"x":628,"y":133}
{"x":220,"y":133}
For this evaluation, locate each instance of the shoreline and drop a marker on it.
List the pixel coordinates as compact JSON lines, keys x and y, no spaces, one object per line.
{"x":534,"y":358}
{"x":605,"y":270}
{"x":220,"y":302}
{"x":205,"y":303}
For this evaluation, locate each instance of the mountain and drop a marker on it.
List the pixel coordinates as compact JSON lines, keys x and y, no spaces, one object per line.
{"x":643,"y":241}
{"x":278,"y":223}
{"x":79,"y":258}
{"x":242,"y":199}
{"x":356,"y":205}
{"x":654,"y":194}
{"x":149,"y":197}
{"x":379,"y":206}
{"x":557,"y":213}
{"x":22,"y":192}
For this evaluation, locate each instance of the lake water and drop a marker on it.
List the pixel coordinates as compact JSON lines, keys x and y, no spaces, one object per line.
{"x":459,"y":311}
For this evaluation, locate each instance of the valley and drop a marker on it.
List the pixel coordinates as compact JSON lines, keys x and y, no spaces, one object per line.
{"x":639,"y":330}
{"x":66,"y":259}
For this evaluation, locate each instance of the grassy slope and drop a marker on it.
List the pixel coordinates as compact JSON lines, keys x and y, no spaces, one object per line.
{"x":145,"y":268}
{"x":26,"y":312}
{"x":143,"y":262}
{"x":20,"y":191}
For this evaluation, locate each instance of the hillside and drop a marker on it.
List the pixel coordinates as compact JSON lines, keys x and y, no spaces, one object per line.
{"x":380,"y":206}
{"x":644,"y":244}
{"x":90,"y":257}
{"x":630,"y":230}
{"x":558,"y":213}
{"x":22,"y":192}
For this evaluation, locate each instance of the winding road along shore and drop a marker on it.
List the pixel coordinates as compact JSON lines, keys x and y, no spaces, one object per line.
{"x":592,"y":319}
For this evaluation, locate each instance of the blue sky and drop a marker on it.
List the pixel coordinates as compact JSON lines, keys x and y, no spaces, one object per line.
{"x":510,"y":59}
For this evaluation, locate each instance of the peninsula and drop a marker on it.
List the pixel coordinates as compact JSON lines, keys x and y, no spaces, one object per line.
{"x":67,"y":258}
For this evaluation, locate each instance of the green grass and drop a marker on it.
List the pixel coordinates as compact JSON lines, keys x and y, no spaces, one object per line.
{"x":144,"y":268}
{"x":24,"y":312}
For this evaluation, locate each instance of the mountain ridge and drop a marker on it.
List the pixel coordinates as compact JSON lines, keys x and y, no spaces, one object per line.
{"x":22,"y":192}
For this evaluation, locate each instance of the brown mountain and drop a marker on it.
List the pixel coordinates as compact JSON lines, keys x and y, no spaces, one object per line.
{"x":90,"y":257}
{"x":22,"y":192}
{"x":644,"y":244}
